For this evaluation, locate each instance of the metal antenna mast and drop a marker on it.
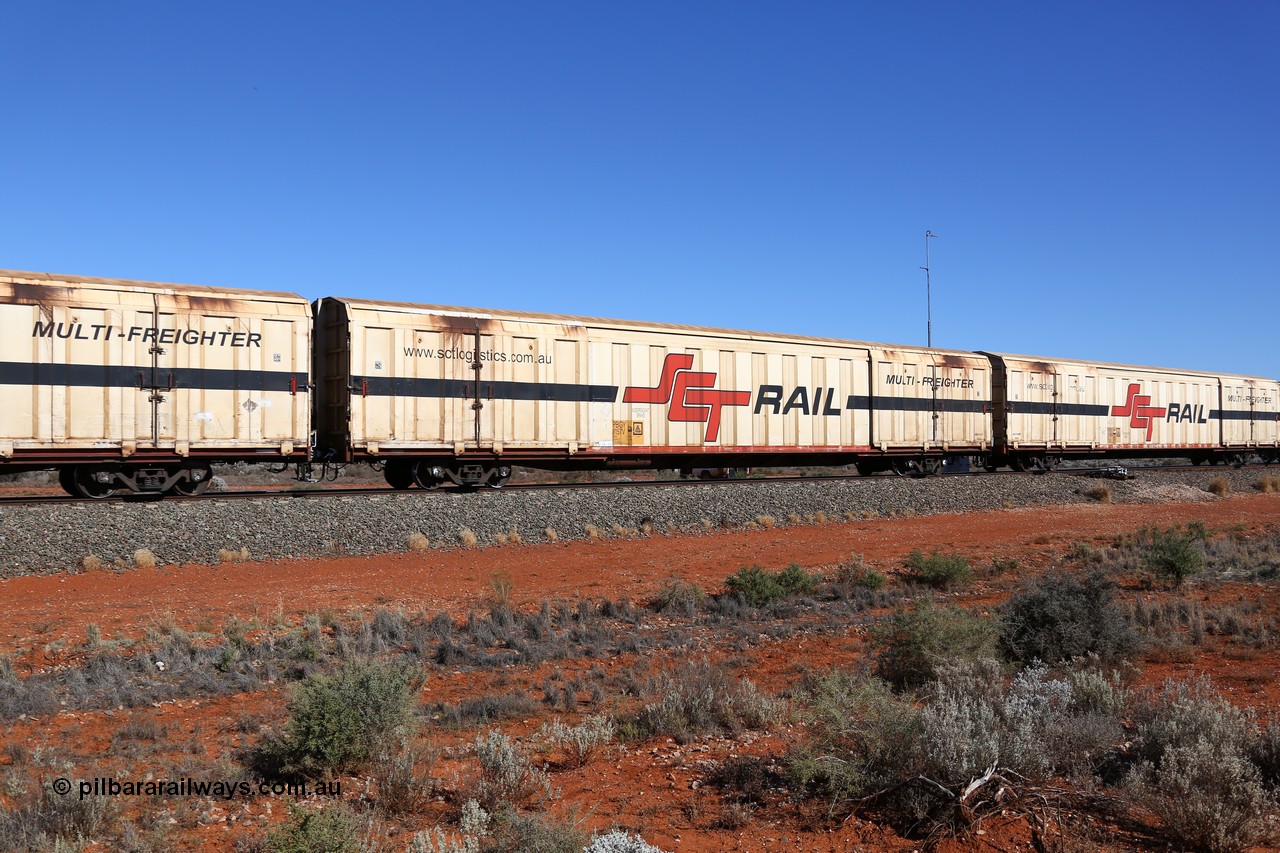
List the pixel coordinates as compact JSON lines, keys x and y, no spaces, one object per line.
{"x":928,"y":287}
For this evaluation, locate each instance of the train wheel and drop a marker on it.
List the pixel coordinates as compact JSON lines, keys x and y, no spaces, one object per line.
{"x":498,"y":477}
{"x":865,"y":468}
{"x":196,"y":483}
{"x":87,"y":485}
{"x":398,"y":473}
{"x":67,"y":479}
{"x":428,"y":476}
{"x":901,"y":467}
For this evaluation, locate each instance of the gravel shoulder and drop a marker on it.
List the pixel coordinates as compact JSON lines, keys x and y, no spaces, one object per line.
{"x":51,"y":539}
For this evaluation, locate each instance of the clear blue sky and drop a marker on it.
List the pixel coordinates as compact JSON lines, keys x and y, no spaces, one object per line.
{"x":1103,"y":176}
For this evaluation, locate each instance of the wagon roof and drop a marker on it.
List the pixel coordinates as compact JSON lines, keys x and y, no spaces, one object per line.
{"x":60,"y":280}
{"x":568,"y":319}
{"x":1051,"y":362}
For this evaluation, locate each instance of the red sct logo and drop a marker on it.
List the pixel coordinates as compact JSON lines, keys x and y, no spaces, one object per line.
{"x":690,"y":394}
{"x":1138,"y":409}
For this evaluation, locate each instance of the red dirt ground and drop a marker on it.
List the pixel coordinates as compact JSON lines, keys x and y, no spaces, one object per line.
{"x":647,"y":787}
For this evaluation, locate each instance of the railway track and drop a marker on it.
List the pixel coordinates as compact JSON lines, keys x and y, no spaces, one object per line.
{"x":317,"y":491}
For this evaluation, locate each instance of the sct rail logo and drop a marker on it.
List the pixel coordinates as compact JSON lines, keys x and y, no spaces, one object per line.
{"x":689,"y":393}
{"x":1138,"y":409}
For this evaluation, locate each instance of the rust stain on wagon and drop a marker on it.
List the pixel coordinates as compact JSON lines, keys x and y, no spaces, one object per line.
{"x":207,"y":304}
{"x":955,"y":361}
{"x":21,"y":293}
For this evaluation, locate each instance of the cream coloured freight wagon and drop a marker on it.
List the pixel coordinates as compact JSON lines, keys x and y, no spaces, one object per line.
{"x":1049,"y":409}
{"x":460,"y":394}
{"x":137,"y":386}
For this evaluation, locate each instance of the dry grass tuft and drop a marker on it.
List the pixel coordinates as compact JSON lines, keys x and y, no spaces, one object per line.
{"x":794,"y":518}
{"x":593,"y":533}
{"x":706,"y":522}
{"x":91,"y":563}
{"x":821,"y":517}
{"x":647,"y":528}
{"x":514,"y":537}
{"x":619,"y":530}
{"x":765,"y":521}
{"x":1102,"y":493}
{"x":1268,"y":484}
{"x":417,"y":542}
{"x":144,"y":559}
{"x":551,"y":534}
{"x":851,"y":516}
{"x":467,"y":537}
{"x":1219,"y":486}
{"x":228,"y":555}
{"x":1006,"y":504}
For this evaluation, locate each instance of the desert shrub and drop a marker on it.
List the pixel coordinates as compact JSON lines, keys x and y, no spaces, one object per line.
{"x":41,"y":819}
{"x":911,"y":643}
{"x":1266,"y":753}
{"x":1207,"y":799}
{"x":1184,"y":713}
{"x":484,"y":709}
{"x":336,"y":721}
{"x":582,"y":742}
{"x":404,"y":777}
{"x":1244,"y":557}
{"x":507,"y":776}
{"x":1219,"y":486}
{"x":860,"y":737}
{"x":938,"y":570}
{"x":870,"y":579}
{"x":1173,"y":554}
{"x":620,"y":842}
{"x":760,"y":588}
{"x":1102,"y":493}
{"x":700,"y":697}
{"x":331,"y":829}
{"x":1058,"y":617}
{"x":679,"y":597}
{"x":435,"y":840}
{"x":865,"y":740}
{"x":514,"y":832}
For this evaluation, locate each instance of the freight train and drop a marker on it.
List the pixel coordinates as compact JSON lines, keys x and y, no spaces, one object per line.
{"x":138,"y":387}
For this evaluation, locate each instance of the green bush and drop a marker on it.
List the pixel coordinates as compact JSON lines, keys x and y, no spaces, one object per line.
{"x":331,"y":829}
{"x":1058,"y":617}
{"x":336,"y":721}
{"x":760,"y":588}
{"x":938,"y":570}
{"x":860,"y":737}
{"x":1173,"y":554}
{"x":911,"y":644}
